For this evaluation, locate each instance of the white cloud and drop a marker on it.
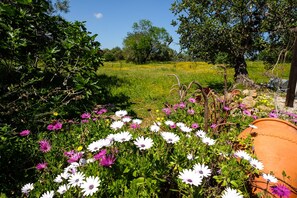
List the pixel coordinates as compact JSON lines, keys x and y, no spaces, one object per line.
{"x":98,"y":15}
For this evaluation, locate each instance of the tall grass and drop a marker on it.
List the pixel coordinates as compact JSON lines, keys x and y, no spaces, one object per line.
{"x":150,"y":86}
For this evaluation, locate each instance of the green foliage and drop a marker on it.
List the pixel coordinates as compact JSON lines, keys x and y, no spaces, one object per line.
{"x":147,"y":42}
{"x":46,"y":64}
{"x":239,"y":29}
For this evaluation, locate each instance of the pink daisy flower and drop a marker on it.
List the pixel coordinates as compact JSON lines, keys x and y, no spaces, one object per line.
{"x":24,"y":133}
{"x":41,"y":166}
{"x":44,"y":146}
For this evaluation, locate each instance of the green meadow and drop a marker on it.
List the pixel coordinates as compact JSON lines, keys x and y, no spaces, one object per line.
{"x":150,"y":86}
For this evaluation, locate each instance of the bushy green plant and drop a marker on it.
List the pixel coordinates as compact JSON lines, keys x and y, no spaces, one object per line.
{"x":105,"y":154}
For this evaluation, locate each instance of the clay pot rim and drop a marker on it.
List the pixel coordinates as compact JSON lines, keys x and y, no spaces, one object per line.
{"x":275,"y":119}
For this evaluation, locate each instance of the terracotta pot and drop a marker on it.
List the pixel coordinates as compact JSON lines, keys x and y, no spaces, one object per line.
{"x":275,"y":145}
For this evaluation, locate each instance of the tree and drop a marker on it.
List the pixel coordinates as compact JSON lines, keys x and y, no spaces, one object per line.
{"x":232,"y":29}
{"x":146,"y":42}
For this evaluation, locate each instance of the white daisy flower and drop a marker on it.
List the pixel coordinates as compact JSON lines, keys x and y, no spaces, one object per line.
{"x":201,"y":133}
{"x":269,"y":178}
{"x":136,"y":121}
{"x":208,"y":141}
{"x":190,"y":156}
{"x":90,"y":186}
{"x":190,"y":177}
{"x":65,"y":175}
{"x":58,"y":179}
{"x":121,"y":113}
{"x":231,"y":193}
{"x":242,"y":154}
{"x":143,"y":143}
{"x":27,"y":188}
{"x":257,"y":164}
{"x":169,"y":123}
{"x":76,"y":179}
{"x":253,"y":126}
{"x":97,"y":145}
{"x":154,"y":128}
{"x":48,"y":194}
{"x":122,"y":137}
{"x":62,"y":189}
{"x":202,"y":170}
{"x":185,"y":129}
{"x":71,"y":169}
{"x":126,"y":119}
{"x":110,"y":137}
{"x":117,"y":125}
{"x":170,"y":137}
{"x":180,"y":124}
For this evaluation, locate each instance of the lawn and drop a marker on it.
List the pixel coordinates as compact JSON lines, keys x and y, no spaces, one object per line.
{"x":150,"y":86}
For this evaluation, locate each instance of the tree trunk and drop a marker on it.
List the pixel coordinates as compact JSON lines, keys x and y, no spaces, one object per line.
{"x":240,"y":69}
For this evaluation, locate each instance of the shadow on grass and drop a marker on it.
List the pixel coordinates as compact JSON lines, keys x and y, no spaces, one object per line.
{"x":218,"y":87}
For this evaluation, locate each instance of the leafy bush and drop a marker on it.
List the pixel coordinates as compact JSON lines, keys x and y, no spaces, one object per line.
{"x":107,"y":154}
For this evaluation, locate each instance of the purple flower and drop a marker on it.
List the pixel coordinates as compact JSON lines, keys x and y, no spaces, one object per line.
{"x":273,"y":115}
{"x":44,"y":146}
{"x":247,"y":112}
{"x":50,"y":127}
{"x":75,"y":157}
{"x":191,"y":111}
{"x":173,"y":126}
{"x":107,"y":160}
{"x":280,"y":190}
{"x":167,"y":111}
{"x":175,"y":107}
{"x":85,"y":116}
{"x":69,"y":153}
{"x":226,"y":108}
{"x":134,"y":126}
{"x":255,"y":117}
{"x":41,"y":166}
{"x":24,"y":133}
{"x":192,"y":100}
{"x":182,"y":105}
{"x":213,"y":125}
{"x":241,"y":106}
{"x":195,"y":126}
{"x":84,"y":121}
{"x":58,"y":126}
{"x":99,"y":155}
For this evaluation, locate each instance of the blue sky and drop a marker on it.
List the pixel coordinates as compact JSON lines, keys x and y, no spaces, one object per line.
{"x":113,"y":19}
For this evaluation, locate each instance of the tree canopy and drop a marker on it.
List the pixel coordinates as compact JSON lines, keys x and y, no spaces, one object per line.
{"x":147,"y":42}
{"x":235,"y":30}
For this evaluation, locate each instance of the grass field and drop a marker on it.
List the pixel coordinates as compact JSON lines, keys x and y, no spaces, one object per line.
{"x":149,"y":86}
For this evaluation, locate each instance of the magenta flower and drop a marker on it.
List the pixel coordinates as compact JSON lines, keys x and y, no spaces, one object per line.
{"x":255,"y":117}
{"x":192,"y":100}
{"x":24,"y":133}
{"x":182,"y":105}
{"x":247,"y":112}
{"x":99,"y":155}
{"x":75,"y":157}
{"x":69,"y":153}
{"x":50,"y":127}
{"x":134,"y":126}
{"x":173,"y":126}
{"x":280,"y":190}
{"x":44,"y":146}
{"x":101,"y":111}
{"x":241,"y":106}
{"x":195,"y":126}
{"x":213,"y":125}
{"x":226,"y":108}
{"x":175,"y":107}
{"x":107,"y":160}
{"x":273,"y":115}
{"x":84,"y":121}
{"x":58,"y":126}
{"x":167,"y":111}
{"x":191,"y":111}
{"x":85,"y":116}
{"x":41,"y":166}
